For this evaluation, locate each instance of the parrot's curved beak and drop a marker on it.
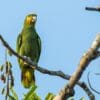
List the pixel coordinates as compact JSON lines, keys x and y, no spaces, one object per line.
{"x":34,"y":18}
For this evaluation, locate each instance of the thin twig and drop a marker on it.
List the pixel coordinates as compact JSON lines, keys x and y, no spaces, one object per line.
{"x":43,"y":70}
{"x":91,"y":85}
{"x":5,"y":72}
{"x":93,"y":8}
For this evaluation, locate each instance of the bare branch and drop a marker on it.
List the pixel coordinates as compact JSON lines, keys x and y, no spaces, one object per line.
{"x":45,"y":71}
{"x":90,"y":55}
{"x":93,"y":8}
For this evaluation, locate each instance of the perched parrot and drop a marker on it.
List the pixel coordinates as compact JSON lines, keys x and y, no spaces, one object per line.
{"x":29,"y":45}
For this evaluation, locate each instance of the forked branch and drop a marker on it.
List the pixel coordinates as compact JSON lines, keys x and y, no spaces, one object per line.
{"x":54,"y":73}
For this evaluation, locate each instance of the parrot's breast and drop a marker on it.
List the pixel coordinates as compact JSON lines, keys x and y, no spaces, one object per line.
{"x":29,"y":46}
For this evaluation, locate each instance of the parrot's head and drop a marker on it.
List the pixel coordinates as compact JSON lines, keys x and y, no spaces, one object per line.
{"x":30,"y":19}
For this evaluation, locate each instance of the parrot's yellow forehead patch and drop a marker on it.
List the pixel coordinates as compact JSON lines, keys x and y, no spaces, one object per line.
{"x":30,"y":19}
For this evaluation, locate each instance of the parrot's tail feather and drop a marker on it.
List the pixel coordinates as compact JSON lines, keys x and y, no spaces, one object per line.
{"x":27,"y":77}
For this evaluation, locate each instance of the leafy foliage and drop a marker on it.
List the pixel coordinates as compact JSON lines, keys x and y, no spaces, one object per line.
{"x":82,"y":98}
{"x":50,"y":96}
{"x":9,"y":52}
{"x":14,"y":95}
{"x":31,"y":95}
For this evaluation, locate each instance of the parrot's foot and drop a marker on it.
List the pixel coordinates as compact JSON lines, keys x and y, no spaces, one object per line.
{"x":25,"y":63}
{"x":33,"y":67}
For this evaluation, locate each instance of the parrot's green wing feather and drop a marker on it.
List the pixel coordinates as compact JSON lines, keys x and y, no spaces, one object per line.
{"x":39,"y":45}
{"x":19,"y":42}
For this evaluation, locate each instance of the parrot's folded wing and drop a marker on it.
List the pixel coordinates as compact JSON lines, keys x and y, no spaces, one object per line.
{"x":19,"y":42}
{"x":39,"y":45}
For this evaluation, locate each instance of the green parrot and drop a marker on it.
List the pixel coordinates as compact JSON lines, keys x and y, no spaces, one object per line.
{"x":29,"y":45}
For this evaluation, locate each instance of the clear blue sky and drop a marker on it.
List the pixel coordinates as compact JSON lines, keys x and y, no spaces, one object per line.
{"x":66,"y":31}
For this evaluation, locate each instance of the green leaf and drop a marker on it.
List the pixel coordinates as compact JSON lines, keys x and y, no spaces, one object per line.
{"x":82,"y":98}
{"x":71,"y":98}
{"x":14,"y":93}
{"x":9,"y":64}
{"x":1,"y":68}
{"x":12,"y":98}
{"x":9,"y":52}
{"x":3,"y":90}
{"x":49,"y":96}
{"x":31,"y":95}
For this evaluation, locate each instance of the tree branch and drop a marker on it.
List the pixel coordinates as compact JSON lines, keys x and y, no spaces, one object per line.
{"x":45,"y":71}
{"x":93,"y":8}
{"x":90,"y":55}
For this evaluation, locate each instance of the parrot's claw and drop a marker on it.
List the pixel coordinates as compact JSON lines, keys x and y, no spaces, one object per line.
{"x":25,"y":63}
{"x":33,"y":67}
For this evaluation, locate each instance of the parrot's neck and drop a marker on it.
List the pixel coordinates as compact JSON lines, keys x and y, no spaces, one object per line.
{"x":29,"y":27}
